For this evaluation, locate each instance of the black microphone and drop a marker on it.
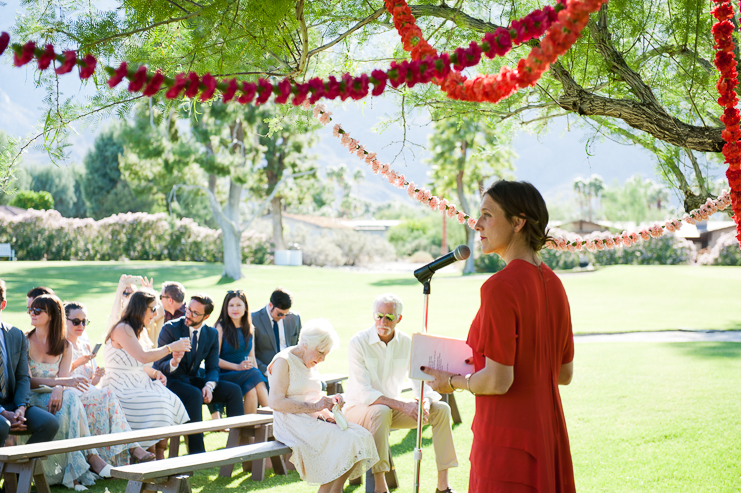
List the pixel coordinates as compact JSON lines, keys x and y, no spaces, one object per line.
{"x":424,"y":273}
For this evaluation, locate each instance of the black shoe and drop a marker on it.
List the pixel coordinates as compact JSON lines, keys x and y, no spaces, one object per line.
{"x":446,"y":490}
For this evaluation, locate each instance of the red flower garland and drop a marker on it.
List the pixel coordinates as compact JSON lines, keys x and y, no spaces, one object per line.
{"x":407,"y":72}
{"x":725,"y":62}
{"x":563,"y":23}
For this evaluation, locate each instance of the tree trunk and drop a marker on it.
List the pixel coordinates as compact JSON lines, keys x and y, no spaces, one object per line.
{"x":277,"y":223}
{"x":228,"y":221}
{"x":468,"y":268}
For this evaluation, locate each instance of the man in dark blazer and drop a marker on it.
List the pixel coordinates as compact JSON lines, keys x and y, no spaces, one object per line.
{"x":276,"y":328}
{"x":182,"y":368}
{"x":15,"y":387}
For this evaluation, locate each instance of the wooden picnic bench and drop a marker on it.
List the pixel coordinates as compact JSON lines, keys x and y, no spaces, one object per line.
{"x":25,"y":460}
{"x":173,"y":475}
{"x":334,"y":382}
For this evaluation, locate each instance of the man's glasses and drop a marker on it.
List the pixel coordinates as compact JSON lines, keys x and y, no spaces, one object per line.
{"x":76,"y":321}
{"x":277,"y":314}
{"x":36,"y":311}
{"x":389,"y":316}
{"x":187,"y":309}
{"x":164,"y":297}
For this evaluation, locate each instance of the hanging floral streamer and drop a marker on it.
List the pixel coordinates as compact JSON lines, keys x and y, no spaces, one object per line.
{"x":725,"y":62}
{"x":594,"y":242}
{"x":563,"y":25}
{"x":427,"y":68}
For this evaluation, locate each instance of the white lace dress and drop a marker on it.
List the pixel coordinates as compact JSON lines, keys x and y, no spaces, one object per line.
{"x":321,"y":451}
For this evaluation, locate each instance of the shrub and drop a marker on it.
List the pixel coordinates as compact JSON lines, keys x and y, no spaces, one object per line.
{"x":26,"y":199}
{"x":346,"y":247}
{"x":666,"y":250}
{"x":322,"y":251}
{"x":421,"y":257}
{"x":725,"y":252}
{"x":136,"y":236}
{"x":488,"y":263}
{"x":559,"y":260}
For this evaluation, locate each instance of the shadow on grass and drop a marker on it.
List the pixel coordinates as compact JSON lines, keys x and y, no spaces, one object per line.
{"x":710,"y":350}
{"x":401,"y":281}
{"x":408,"y":443}
{"x":84,"y":279}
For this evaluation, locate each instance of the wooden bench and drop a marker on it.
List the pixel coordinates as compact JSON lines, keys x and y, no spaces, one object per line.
{"x":25,"y":460}
{"x":7,"y":251}
{"x":173,"y":475}
{"x":334,"y":382}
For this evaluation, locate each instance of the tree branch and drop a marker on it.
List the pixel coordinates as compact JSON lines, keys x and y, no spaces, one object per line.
{"x":375,"y":15}
{"x":135,"y":31}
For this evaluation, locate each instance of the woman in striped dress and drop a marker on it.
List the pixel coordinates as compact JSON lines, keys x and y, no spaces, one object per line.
{"x":141,"y":389}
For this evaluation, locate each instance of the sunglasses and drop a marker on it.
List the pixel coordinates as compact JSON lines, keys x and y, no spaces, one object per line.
{"x":163,"y":297}
{"x":389,"y":316}
{"x":153,"y":308}
{"x":126,"y":295}
{"x":76,"y":321}
{"x":236,"y":291}
{"x":36,"y":311}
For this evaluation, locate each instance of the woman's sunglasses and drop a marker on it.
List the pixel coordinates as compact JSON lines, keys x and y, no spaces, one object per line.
{"x":127,"y":294}
{"x":36,"y":311}
{"x":76,"y":321}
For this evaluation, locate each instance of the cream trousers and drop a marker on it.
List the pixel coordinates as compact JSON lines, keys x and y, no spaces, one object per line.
{"x":380,"y":420}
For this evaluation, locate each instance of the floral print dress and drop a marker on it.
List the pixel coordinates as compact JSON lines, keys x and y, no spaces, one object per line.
{"x":104,"y":413}
{"x":63,"y":468}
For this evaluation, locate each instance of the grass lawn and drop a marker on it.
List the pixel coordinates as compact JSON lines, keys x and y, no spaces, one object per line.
{"x":642,"y":417}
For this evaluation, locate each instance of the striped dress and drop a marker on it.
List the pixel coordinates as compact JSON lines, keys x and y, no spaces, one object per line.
{"x":146,"y":402}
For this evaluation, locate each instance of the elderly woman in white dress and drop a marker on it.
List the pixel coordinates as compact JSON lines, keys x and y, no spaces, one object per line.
{"x":323,"y":453}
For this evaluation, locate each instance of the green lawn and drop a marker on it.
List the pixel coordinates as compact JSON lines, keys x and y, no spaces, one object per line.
{"x":641,"y":417}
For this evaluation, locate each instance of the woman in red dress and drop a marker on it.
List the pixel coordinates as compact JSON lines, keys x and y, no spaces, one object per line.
{"x":523,"y":349}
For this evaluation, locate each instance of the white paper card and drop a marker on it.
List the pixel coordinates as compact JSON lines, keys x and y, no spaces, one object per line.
{"x":440,"y":353}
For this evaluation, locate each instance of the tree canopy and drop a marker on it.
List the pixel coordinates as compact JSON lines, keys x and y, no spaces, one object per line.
{"x":641,"y":73}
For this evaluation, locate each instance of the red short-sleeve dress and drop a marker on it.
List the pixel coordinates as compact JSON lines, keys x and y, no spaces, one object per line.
{"x":520,"y":442}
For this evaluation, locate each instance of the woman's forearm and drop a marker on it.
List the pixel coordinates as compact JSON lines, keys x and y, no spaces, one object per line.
{"x":226,"y":365}
{"x":49,"y":382}
{"x":290,"y":406}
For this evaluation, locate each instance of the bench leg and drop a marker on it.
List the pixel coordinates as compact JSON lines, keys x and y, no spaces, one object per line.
{"x":258,"y":466}
{"x":11,"y":482}
{"x":454,"y":412}
{"x":39,"y":479}
{"x":247,"y":437}
{"x":134,"y":487}
{"x":231,"y":441}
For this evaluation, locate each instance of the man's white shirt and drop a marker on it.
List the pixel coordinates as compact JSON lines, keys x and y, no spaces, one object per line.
{"x":378,"y":369}
{"x":281,"y":329}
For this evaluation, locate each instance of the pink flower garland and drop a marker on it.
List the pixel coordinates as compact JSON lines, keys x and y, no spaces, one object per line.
{"x":394,"y":178}
{"x":598,"y":241}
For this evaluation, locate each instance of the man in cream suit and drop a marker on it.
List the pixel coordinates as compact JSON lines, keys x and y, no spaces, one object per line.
{"x":276,"y":328}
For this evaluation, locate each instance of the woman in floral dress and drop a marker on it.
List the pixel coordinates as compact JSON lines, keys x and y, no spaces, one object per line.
{"x":104,"y":413}
{"x":49,"y":360}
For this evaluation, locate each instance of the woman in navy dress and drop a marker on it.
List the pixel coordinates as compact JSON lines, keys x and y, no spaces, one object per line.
{"x":237,"y":356}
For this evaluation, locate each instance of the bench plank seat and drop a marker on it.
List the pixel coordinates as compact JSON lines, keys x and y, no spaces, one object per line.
{"x":148,"y":471}
{"x":20,"y":453}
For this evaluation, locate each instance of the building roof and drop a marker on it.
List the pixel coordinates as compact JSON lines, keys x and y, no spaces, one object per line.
{"x":9,"y":210}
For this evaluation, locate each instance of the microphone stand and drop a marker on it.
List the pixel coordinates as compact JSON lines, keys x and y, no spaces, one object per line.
{"x":420,"y":409}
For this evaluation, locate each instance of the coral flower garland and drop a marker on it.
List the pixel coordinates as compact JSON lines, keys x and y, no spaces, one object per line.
{"x":595,"y":241}
{"x":564,"y":24}
{"x":725,"y":62}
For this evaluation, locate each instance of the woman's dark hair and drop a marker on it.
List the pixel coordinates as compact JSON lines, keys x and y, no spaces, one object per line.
{"x":227,"y":326}
{"x":57,"y":329}
{"x":522,"y":199}
{"x":135,"y":311}
{"x":71,"y":306}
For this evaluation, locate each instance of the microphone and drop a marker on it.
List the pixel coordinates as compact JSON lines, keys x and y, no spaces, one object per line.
{"x":424,"y":273}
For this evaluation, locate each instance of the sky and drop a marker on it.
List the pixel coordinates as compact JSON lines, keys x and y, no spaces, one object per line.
{"x":551,"y":160}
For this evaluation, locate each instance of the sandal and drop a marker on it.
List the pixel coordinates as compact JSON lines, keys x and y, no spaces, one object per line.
{"x":148,"y":457}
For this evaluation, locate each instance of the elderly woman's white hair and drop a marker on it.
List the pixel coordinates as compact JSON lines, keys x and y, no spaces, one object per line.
{"x":318,"y":334}
{"x":392,"y":299}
